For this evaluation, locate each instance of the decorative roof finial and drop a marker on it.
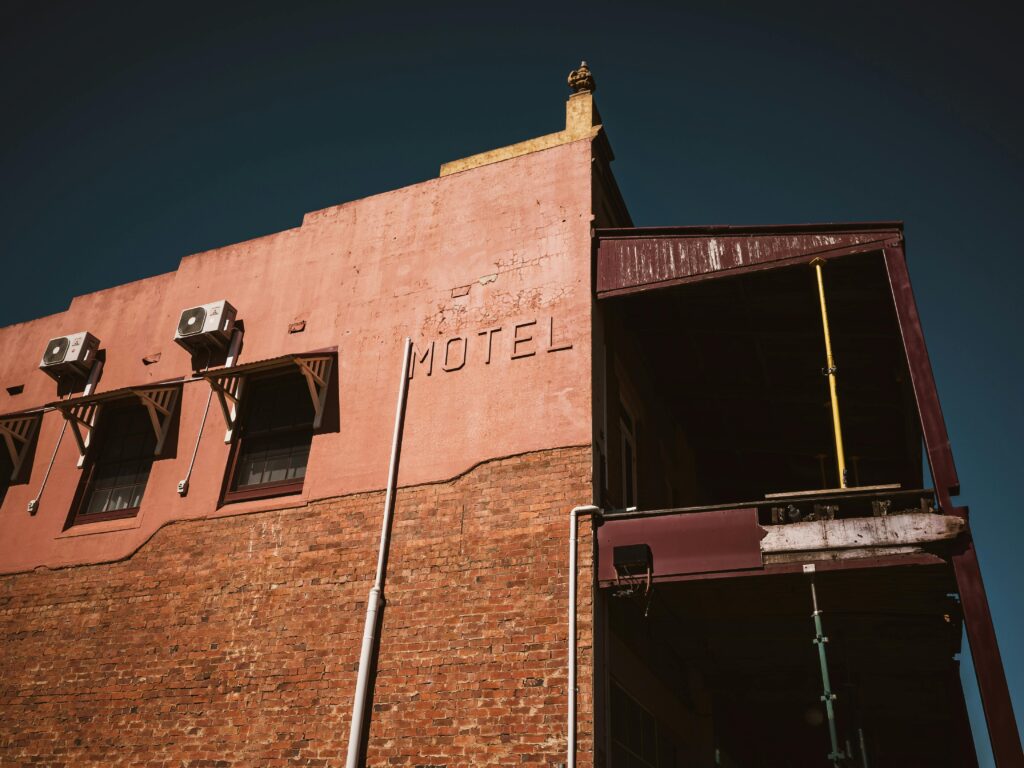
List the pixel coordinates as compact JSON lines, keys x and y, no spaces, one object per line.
{"x":581,"y":79}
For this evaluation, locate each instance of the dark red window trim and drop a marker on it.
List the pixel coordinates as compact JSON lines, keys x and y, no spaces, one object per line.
{"x":263,"y":490}
{"x":85,"y":486}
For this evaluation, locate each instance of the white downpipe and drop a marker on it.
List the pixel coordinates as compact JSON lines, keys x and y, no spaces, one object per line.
{"x":374,"y":601}
{"x":90,"y":385}
{"x":571,"y":692}
{"x":233,"y":348}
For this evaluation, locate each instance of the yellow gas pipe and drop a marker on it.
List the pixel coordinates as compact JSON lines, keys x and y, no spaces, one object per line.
{"x":831,"y":373}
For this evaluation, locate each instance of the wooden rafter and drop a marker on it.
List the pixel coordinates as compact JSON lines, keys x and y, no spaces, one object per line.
{"x":17,"y":432}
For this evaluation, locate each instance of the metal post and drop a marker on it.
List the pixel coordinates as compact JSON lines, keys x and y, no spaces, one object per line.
{"x":375,"y":599}
{"x":827,"y":696}
{"x":988,"y":665}
{"x":831,"y":371}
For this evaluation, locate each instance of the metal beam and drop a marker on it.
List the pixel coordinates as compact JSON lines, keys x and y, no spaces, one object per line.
{"x":988,"y":664}
{"x":933,"y":425}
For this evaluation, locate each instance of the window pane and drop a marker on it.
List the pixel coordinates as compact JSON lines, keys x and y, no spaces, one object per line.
{"x":136,"y":499}
{"x":634,"y":725}
{"x":297,"y":465}
{"x":628,"y":481}
{"x":277,"y":467}
{"x":618,"y":714}
{"x":650,"y":740}
{"x":98,"y":503}
{"x":251,"y":472}
{"x":119,"y":498}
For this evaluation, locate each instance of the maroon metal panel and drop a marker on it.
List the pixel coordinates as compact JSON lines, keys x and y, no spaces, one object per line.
{"x":631,"y":260}
{"x":923,"y":559}
{"x":933,"y":425}
{"x":988,"y":664}
{"x":702,"y":542}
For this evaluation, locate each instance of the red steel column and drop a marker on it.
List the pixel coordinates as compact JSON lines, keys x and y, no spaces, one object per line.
{"x":988,"y":664}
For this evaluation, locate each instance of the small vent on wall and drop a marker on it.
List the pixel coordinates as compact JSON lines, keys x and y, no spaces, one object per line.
{"x":17,"y":389}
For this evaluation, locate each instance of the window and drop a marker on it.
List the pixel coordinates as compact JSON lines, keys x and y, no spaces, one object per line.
{"x":628,"y":432}
{"x":274,"y":436}
{"x":638,"y":740}
{"x":119,"y":470}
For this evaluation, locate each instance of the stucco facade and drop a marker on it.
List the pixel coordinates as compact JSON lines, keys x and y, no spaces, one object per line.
{"x":487,"y":270}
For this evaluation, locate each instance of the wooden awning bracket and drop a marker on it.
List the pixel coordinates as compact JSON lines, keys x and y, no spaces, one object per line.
{"x":317,"y":372}
{"x":82,"y":418}
{"x":18,"y":432}
{"x":228,"y":389}
{"x":229,"y":384}
{"x":160,"y":402}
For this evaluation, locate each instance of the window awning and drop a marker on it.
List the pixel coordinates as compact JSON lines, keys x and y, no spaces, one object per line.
{"x":229,"y":383}
{"x":18,"y":430}
{"x":82,"y":413}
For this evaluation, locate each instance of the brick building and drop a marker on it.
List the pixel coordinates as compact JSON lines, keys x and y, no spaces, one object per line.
{"x":191,"y":530}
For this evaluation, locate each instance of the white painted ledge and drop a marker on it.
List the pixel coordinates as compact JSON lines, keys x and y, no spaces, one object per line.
{"x":860,"y":532}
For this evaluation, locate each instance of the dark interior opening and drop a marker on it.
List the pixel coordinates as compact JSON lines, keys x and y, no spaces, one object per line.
{"x":727,"y":379}
{"x":726,"y":673}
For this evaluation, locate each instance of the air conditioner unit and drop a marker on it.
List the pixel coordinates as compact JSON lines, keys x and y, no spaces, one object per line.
{"x":207,"y":326}
{"x":70,"y":356}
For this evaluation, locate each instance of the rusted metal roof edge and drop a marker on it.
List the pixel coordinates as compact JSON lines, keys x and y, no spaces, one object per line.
{"x":112,"y":394}
{"x":868,"y":246}
{"x":703,"y":230}
{"x":265,"y":364}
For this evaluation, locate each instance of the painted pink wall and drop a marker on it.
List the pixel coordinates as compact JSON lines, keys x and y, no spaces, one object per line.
{"x":513,"y":238}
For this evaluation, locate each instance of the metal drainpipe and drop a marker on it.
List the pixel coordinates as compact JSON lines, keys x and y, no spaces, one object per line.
{"x":571,"y":692}
{"x":233,"y":349}
{"x":90,"y":385}
{"x":836,"y":755}
{"x":375,"y":599}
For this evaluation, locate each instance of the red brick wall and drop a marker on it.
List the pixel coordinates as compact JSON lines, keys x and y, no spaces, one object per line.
{"x":233,"y":641}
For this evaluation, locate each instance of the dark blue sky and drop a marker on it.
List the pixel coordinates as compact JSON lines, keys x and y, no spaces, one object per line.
{"x":136,"y":133}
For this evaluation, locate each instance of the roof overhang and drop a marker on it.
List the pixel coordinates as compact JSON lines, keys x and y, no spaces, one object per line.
{"x":638,"y":259}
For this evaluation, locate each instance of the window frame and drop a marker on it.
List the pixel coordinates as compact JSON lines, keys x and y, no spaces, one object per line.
{"x":628,"y":460}
{"x":664,"y":745}
{"x":86,"y":484}
{"x":270,"y":490}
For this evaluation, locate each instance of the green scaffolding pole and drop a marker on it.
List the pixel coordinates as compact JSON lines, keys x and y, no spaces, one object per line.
{"x":836,"y":755}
